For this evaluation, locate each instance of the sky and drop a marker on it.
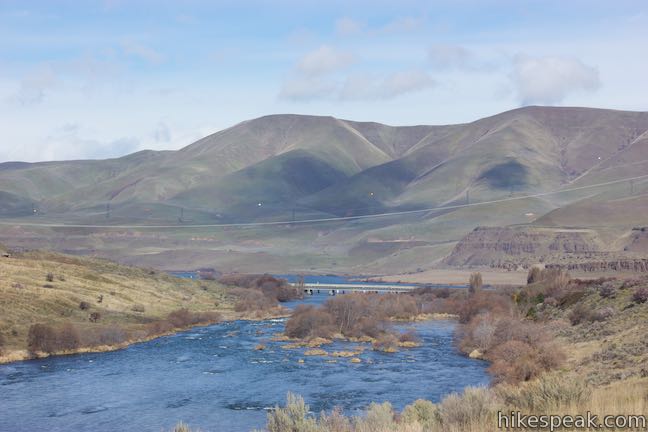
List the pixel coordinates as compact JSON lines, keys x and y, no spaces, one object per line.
{"x":98,"y":79}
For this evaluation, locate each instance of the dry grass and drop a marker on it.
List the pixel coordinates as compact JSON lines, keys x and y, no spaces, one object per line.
{"x":110,"y":291}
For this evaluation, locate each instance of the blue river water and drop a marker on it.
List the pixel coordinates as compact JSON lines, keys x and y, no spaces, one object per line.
{"x":214,"y":379}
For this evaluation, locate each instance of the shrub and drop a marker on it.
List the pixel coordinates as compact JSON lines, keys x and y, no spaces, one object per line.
{"x":184,"y":318}
{"x":308,"y":321}
{"x":544,"y":394}
{"x":41,"y":337}
{"x":252,"y":300}
{"x":534,"y":275}
{"x":45,"y":338}
{"x":475,"y":283}
{"x":49,"y":277}
{"x":3,"y":341}
{"x":467,"y":411}
{"x":84,"y":305}
{"x":423,"y":412}
{"x":378,"y":418}
{"x":386,"y":343}
{"x":607,"y":291}
{"x":483,"y":302}
{"x":292,"y":418}
{"x":442,"y":292}
{"x":555,"y":281}
{"x":112,"y":335}
{"x":630,"y":283}
{"x":582,"y":314}
{"x":640,"y":295}
{"x":138,"y":308}
{"x":274,"y":288}
{"x":94,"y":317}
{"x":515,"y":361}
{"x":409,"y":336}
{"x":48,"y":286}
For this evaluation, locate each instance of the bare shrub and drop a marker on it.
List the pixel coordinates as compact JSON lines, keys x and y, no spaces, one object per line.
{"x":84,"y":305}
{"x":483,"y":302}
{"x":49,"y":277}
{"x":274,"y":288}
{"x":515,"y":361}
{"x":409,"y":336}
{"x":607,"y":291}
{"x":386,"y":342}
{"x":252,"y":300}
{"x":308,"y":322}
{"x":475,"y":283}
{"x":3,"y":341}
{"x":479,"y":333}
{"x":184,"y":318}
{"x":630,"y":283}
{"x":640,"y":295}
{"x":113,"y":335}
{"x":159,"y":327}
{"x":45,"y":338}
{"x":94,"y":317}
{"x":534,"y":275}
{"x":555,"y":281}
{"x":396,"y":306}
{"x":580,"y":314}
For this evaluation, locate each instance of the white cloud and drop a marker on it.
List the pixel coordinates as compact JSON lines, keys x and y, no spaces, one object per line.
{"x":356,"y":87}
{"x":403,"y":25}
{"x":445,"y":56}
{"x":346,"y":26}
{"x":366,"y":87}
{"x":69,"y":142}
{"x":549,"y":80}
{"x":35,"y":85}
{"x":142,"y":52}
{"x":162,"y":134}
{"x":324,"y":60}
{"x":307,"y":88}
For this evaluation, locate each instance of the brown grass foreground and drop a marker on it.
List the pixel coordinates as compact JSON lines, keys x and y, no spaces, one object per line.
{"x":58,"y":304}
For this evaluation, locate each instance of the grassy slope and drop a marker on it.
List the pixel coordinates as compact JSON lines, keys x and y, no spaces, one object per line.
{"x":24,"y":299}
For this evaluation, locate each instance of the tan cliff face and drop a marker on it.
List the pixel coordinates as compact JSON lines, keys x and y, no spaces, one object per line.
{"x":493,"y":246}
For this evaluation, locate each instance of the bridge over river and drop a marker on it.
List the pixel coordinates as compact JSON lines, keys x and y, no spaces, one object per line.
{"x":343,"y":288}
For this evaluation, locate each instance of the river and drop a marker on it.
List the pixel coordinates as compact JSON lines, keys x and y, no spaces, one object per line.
{"x":214,"y":379}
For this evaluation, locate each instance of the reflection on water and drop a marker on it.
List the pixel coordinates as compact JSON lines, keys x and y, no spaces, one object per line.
{"x":213,"y":378}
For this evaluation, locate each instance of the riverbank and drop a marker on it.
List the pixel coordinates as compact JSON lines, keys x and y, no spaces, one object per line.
{"x":54,"y":304}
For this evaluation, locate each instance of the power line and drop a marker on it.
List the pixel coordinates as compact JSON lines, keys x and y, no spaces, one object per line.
{"x":331,"y":219}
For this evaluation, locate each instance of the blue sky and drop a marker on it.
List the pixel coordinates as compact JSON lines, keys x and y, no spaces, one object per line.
{"x":94,"y":79}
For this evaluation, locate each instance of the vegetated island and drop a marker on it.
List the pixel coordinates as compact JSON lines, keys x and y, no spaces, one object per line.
{"x":54,"y":304}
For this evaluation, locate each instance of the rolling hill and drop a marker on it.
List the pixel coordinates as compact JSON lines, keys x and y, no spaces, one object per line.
{"x":285,"y":167}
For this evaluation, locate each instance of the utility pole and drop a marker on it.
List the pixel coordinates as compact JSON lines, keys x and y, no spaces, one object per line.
{"x":181,"y":218}
{"x":632,"y":187}
{"x":108,"y":211}
{"x":467,"y":196}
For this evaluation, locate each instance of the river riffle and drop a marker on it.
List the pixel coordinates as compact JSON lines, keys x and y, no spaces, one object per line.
{"x":213,"y":378}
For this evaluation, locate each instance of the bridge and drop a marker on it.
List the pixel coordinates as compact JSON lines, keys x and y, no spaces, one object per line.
{"x":339,"y":288}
